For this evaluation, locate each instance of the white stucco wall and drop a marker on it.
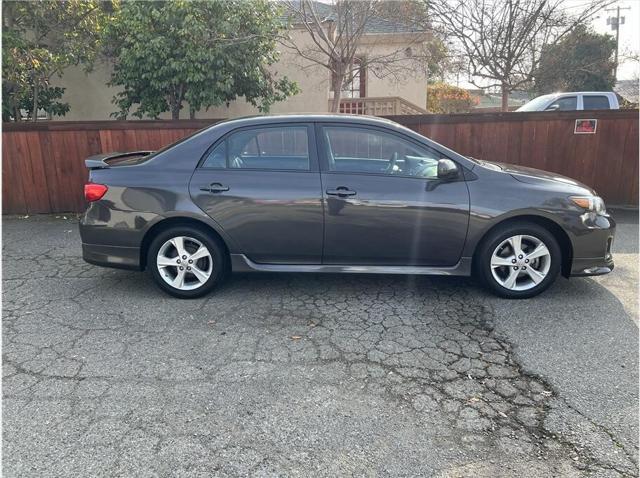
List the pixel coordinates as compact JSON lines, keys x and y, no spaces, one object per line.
{"x":90,"y":97}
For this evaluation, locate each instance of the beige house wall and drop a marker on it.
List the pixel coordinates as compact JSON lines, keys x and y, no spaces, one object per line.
{"x":90,"y":97}
{"x":407,"y":80}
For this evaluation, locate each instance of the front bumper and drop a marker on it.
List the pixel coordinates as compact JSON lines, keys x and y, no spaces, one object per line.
{"x":112,"y":256}
{"x":596,"y":266}
{"x":592,"y":247}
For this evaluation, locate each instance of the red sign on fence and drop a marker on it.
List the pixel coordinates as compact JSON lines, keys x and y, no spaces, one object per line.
{"x":585,"y":126}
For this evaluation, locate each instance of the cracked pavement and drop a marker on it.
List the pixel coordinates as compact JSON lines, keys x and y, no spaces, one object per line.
{"x":312,"y":375}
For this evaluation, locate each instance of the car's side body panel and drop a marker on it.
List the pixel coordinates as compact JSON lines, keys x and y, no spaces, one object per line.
{"x":394,"y":221}
{"x":273,"y":216}
{"x":391,"y":220}
{"x":241,"y":263}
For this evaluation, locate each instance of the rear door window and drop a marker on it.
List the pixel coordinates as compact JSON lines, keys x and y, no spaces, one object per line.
{"x":593,"y":102}
{"x":273,"y":148}
{"x":283,"y":148}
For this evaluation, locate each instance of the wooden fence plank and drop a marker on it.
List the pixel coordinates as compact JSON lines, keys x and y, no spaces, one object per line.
{"x":13,"y":196}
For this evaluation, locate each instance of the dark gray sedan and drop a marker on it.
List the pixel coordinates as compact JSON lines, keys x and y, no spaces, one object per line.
{"x":330,"y":193}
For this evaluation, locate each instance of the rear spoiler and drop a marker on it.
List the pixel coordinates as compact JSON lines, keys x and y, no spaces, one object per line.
{"x":99,"y":161}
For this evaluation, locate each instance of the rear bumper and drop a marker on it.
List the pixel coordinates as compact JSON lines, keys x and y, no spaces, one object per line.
{"x":112,"y":256}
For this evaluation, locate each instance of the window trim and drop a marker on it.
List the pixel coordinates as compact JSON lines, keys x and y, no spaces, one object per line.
{"x":311,"y":147}
{"x":324,"y":148}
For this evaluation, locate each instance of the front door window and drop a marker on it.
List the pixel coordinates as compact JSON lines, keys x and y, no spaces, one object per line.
{"x":362,"y":150}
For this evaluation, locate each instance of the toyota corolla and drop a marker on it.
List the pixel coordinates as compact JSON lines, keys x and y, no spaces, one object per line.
{"x":332,"y":193}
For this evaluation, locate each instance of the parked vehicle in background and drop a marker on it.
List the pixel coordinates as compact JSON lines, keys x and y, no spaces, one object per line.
{"x":336,"y":193}
{"x":576,"y":100}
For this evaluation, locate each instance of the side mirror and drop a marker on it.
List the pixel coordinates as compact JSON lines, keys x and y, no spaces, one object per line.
{"x":447,"y":169}
{"x":552,"y":107}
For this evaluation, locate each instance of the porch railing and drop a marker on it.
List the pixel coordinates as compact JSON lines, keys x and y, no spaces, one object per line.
{"x":379,"y":106}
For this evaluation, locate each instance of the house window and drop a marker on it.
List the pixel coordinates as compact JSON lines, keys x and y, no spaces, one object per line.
{"x":356,"y":88}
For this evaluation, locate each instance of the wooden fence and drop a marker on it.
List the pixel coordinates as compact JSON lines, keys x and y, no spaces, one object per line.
{"x":607,"y":160}
{"x":43,"y":169}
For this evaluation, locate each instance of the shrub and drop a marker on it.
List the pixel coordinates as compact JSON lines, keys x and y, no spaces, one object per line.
{"x":444,"y":98}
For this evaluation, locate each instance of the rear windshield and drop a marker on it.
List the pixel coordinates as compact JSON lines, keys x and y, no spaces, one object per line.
{"x":175,"y":143}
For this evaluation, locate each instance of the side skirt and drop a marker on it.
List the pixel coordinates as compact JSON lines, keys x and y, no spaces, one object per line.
{"x":241,"y":263}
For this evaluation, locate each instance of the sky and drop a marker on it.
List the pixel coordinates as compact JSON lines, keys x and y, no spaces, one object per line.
{"x":629,"y":35}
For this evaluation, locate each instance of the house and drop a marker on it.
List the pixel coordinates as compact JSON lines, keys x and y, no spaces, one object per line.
{"x":627,"y":91}
{"x":403,"y":92}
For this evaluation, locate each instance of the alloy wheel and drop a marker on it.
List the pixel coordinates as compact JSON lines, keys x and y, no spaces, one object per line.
{"x":520,"y":262}
{"x":184,"y":263}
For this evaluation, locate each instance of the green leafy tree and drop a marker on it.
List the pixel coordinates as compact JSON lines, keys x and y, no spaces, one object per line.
{"x":582,"y":61}
{"x":205,"y":53}
{"x":39,"y":40}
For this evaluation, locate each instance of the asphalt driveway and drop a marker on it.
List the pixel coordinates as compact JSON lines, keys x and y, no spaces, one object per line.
{"x":312,"y":375}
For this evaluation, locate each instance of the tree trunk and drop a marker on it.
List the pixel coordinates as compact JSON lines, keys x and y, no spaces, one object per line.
{"x":505,"y":97}
{"x":338,"y":79}
{"x":176,"y":97}
{"x":192,"y":113}
{"x":175,"y":109}
{"x":36,"y":93}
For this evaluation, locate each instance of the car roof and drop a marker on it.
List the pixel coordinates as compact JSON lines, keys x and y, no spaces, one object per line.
{"x":558,"y":93}
{"x":308,"y":118}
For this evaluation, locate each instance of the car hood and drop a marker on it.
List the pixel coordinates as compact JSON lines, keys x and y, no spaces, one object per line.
{"x":535,"y":176}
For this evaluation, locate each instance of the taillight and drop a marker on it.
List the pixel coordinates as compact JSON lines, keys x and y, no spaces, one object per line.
{"x":93,"y":192}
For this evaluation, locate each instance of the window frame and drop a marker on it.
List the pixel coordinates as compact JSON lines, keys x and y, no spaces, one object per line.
{"x":362,"y":79}
{"x":311,"y":147}
{"x":324,"y":151}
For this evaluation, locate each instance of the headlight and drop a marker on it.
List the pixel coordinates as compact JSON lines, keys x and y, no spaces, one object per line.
{"x":590,"y":203}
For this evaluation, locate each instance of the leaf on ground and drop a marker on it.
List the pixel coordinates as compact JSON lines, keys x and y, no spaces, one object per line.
{"x":296,"y":337}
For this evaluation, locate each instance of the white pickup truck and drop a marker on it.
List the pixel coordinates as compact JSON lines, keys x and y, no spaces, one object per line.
{"x":575,"y":100}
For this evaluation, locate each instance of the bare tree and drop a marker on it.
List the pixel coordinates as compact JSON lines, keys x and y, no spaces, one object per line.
{"x":341,"y":43}
{"x":502,"y":39}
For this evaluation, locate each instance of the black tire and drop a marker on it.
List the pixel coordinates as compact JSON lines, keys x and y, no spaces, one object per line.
{"x":220,"y":263}
{"x":495,"y":238}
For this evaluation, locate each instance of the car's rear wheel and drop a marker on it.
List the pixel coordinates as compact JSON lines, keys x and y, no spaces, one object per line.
{"x":519,"y":260}
{"x":186,"y":262}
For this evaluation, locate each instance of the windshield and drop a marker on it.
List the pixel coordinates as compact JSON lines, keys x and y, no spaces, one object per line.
{"x":535,"y":104}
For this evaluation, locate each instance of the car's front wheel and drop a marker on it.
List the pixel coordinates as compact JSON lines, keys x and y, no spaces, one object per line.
{"x":519,"y":260}
{"x":186,"y":262}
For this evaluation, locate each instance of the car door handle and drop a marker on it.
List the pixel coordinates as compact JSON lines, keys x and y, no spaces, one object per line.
{"x":341,"y":191}
{"x":215,"y":188}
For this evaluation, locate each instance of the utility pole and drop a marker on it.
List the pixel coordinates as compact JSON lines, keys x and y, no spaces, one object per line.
{"x":615,"y":23}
